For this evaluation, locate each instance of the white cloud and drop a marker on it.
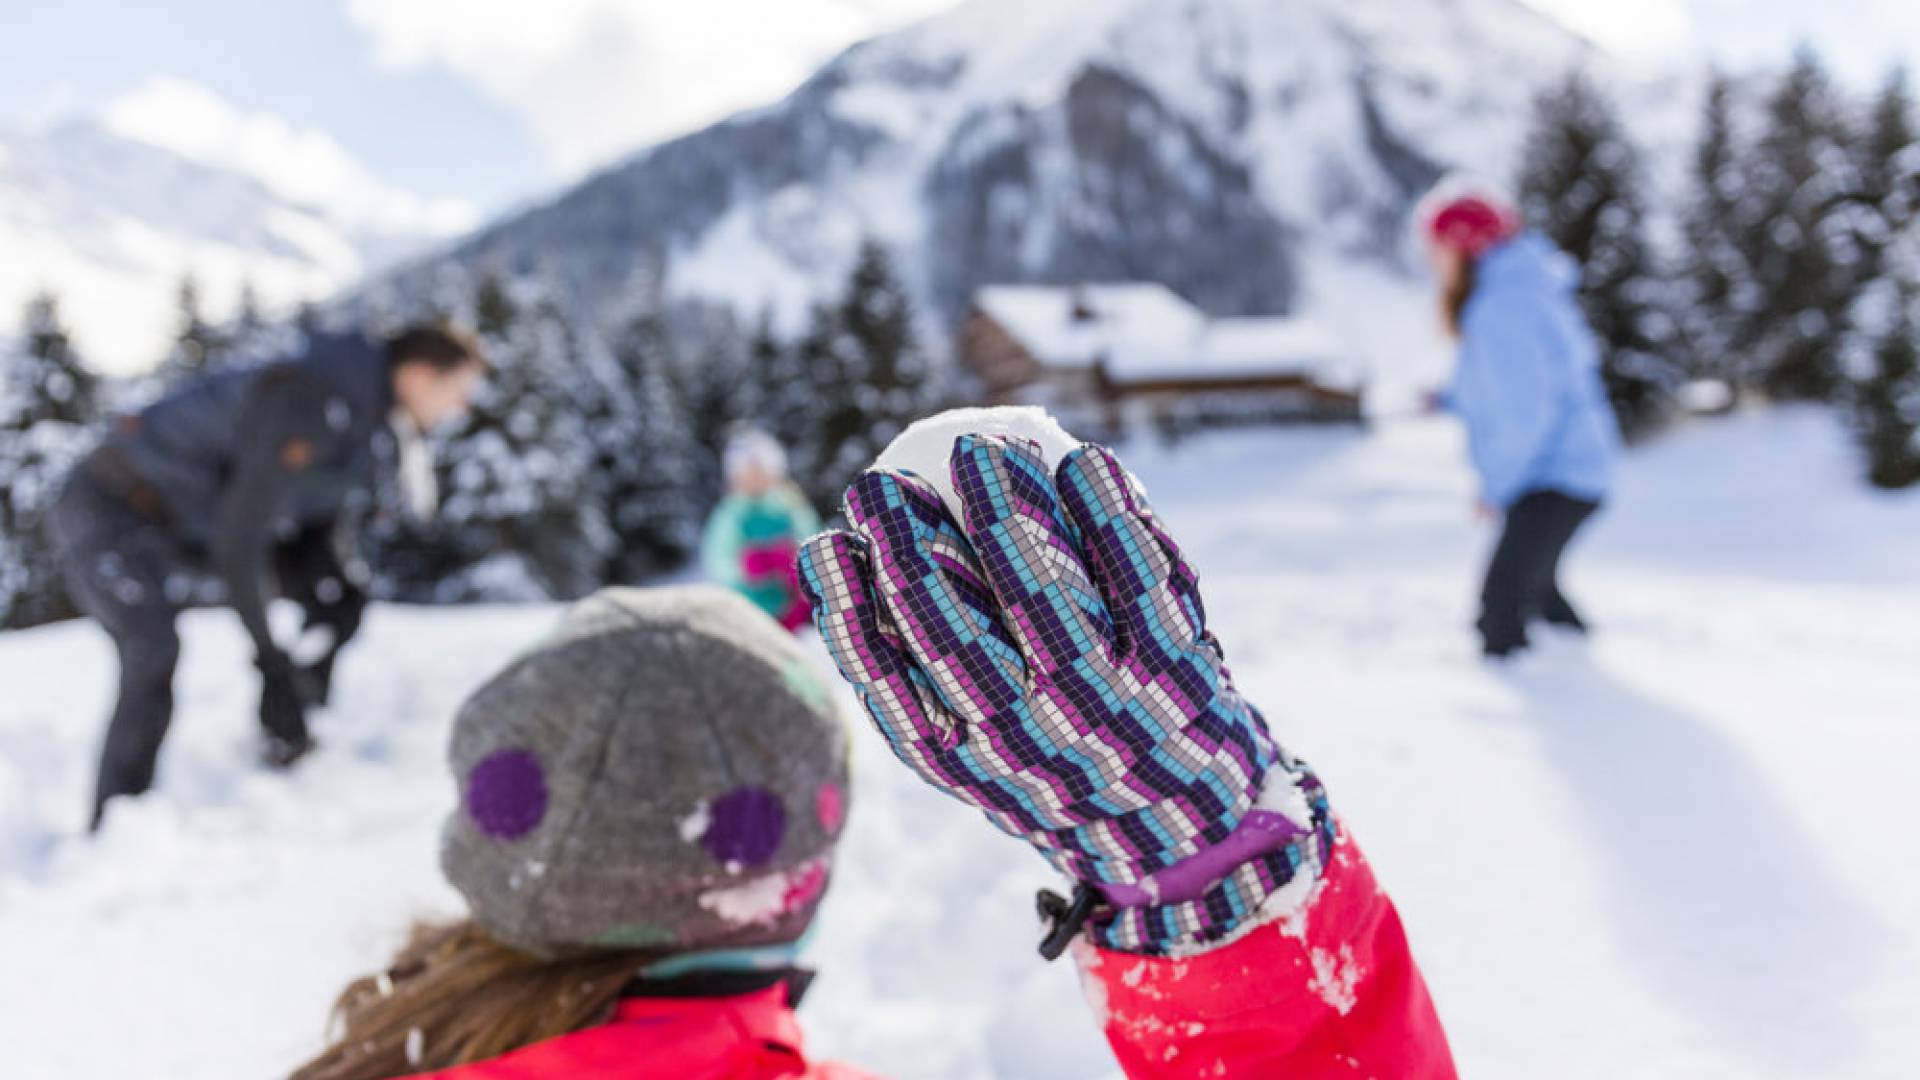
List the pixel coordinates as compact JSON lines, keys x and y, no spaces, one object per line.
{"x":307,"y":167}
{"x":597,"y":78}
{"x":1650,"y":26}
{"x":1859,"y":37}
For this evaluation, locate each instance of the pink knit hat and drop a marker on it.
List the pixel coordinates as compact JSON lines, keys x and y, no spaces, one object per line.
{"x":1469,"y":217}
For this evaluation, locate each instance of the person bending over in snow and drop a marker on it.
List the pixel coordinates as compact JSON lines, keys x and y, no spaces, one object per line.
{"x":1028,"y":638}
{"x":1528,"y":388}
{"x":754,"y":534}
{"x":251,"y":477}
{"x":648,"y":807}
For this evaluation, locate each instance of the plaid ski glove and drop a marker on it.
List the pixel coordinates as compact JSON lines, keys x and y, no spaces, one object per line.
{"x":1047,"y":660}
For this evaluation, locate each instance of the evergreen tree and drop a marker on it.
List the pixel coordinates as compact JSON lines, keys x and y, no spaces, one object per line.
{"x":763,"y":369}
{"x":307,"y":320}
{"x":1887,"y":162}
{"x":493,"y":307}
{"x":198,"y":344}
{"x":711,"y":387}
{"x":1881,"y":353}
{"x":1582,"y":186}
{"x":879,"y":322}
{"x":786,"y":398}
{"x":1716,"y":276}
{"x":861,"y":376}
{"x":252,"y":319}
{"x":51,"y":383}
{"x":647,"y":459}
{"x":48,"y":401}
{"x":1885,"y":377}
{"x":516,"y":478}
{"x":818,"y":415}
{"x":1804,"y":247}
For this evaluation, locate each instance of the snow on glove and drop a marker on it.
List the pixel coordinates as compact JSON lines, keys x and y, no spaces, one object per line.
{"x":1047,"y":661}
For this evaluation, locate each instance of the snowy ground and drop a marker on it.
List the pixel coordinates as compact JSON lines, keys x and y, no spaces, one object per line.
{"x":1682,"y":851}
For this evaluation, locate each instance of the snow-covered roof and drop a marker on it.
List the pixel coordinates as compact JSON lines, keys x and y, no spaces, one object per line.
{"x":1146,"y":331}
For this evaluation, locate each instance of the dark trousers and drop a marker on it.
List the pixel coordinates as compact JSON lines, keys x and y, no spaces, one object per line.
{"x":127,"y":571}
{"x":1523,"y":580}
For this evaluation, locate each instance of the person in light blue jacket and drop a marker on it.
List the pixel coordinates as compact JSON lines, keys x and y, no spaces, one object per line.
{"x":1541,"y":434}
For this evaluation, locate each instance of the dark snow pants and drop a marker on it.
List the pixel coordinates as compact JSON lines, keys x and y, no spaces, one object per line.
{"x":1523,"y":579}
{"x":129,"y":572}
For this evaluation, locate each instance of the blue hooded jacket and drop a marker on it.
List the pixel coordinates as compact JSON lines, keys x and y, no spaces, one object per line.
{"x":1528,"y":383}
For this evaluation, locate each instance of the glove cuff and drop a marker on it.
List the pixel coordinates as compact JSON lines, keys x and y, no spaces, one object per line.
{"x":1235,"y":902}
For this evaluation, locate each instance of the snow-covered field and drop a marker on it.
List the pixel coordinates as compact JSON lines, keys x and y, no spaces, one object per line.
{"x":1684,"y":850}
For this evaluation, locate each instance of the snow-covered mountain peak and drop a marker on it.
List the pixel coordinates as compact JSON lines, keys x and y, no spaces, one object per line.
{"x":112,"y":224}
{"x":1224,"y":148}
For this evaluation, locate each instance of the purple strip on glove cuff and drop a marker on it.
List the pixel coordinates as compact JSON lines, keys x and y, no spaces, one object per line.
{"x":1260,"y":832}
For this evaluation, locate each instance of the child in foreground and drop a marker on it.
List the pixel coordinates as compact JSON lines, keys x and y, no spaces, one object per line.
{"x":1030,"y":640}
{"x":648,"y":808}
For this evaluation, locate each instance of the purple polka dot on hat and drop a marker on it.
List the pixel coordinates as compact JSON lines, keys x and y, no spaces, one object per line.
{"x":507,"y":794}
{"x":745,"y":826}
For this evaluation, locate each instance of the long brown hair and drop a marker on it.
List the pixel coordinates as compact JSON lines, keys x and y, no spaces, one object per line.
{"x":455,"y":996}
{"x":1455,"y":294}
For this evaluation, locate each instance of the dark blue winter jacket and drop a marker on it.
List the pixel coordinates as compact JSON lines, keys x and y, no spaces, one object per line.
{"x":242,"y":459}
{"x":1528,"y":383}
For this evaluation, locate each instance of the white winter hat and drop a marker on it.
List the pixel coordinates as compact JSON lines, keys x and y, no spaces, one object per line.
{"x":754,"y":448}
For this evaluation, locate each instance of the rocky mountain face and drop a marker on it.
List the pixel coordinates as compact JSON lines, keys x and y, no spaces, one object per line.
{"x":1225,"y":148}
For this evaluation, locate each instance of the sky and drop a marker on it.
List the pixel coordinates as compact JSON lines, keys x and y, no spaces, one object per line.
{"x":469,"y":106}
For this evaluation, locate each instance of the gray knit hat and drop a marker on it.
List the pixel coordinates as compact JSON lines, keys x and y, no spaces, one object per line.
{"x":664,"y":771}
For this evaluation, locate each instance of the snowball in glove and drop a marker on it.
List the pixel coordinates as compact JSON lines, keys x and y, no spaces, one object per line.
{"x":1042,"y":654}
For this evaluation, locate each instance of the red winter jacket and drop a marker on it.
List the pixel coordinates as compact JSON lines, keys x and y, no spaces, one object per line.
{"x":752,"y":1036}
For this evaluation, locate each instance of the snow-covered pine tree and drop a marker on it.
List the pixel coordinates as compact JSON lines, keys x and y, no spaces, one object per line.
{"x":709,"y":378}
{"x":1804,"y":251}
{"x":518,"y":511}
{"x":1581,"y":184}
{"x":787,"y":397}
{"x":878,"y":317}
{"x":1883,"y":366}
{"x":763,"y":368}
{"x":307,"y":318}
{"x":493,"y":307}
{"x":1887,"y":162}
{"x":820,"y":416}
{"x":48,"y":402}
{"x":251,"y":333}
{"x":52,"y":382}
{"x":1716,"y":276}
{"x":867,"y":377}
{"x":647,"y":463}
{"x":198,"y":344}
{"x":1881,"y":351}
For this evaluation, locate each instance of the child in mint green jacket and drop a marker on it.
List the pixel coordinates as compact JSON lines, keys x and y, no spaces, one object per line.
{"x":754,"y":535}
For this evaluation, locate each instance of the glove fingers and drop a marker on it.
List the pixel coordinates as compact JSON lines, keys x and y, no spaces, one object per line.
{"x":927,"y":579}
{"x":837,"y":579}
{"x":1147,"y":584}
{"x":1035,"y":569}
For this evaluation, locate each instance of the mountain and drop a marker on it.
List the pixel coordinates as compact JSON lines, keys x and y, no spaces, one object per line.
{"x":112,"y":223}
{"x":1230,"y":149}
